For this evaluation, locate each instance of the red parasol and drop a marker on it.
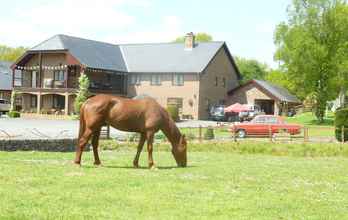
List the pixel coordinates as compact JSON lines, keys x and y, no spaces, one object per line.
{"x":237,"y":108}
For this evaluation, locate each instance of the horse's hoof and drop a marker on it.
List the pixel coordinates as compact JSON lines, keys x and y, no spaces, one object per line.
{"x":76,"y":163}
{"x":153,"y":167}
{"x":97,"y":163}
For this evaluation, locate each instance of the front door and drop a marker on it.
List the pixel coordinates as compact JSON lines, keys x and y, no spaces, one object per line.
{"x":33,"y":79}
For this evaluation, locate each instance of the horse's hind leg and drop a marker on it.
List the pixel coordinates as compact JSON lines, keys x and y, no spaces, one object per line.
{"x":149,"y":137}
{"x":95,"y":143}
{"x":139,"y":149}
{"x":83,"y":140}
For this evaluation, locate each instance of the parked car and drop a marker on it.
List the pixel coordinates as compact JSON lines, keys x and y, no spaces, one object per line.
{"x":250,"y":114}
{"x":217,"y":113}
{"x":263,"y":125}
{"x":4,"y":106}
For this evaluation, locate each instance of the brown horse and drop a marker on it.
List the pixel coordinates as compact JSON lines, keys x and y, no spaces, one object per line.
{"x":144,"y":116}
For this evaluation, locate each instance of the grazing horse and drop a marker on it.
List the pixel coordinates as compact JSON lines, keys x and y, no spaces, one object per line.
{"x":144,"y":116}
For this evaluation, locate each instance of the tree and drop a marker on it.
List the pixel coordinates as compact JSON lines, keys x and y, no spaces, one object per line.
{"x":83,"y":92}
{"x":200,"y":37}
{"x":251,"y":69}
{"x":280,"y":78}
{"x":311,"y":47}
{"x":11,"y":54}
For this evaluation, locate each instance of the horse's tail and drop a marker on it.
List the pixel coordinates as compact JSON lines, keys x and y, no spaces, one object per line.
{"x":82,"y":122}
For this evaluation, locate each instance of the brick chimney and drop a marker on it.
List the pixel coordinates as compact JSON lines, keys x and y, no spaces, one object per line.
{"x":189,"y":41}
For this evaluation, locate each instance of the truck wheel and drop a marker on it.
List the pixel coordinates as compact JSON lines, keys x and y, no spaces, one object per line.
{"x":241,"y":133}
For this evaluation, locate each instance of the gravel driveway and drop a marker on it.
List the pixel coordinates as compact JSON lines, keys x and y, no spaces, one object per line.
{"x":21,"y":128}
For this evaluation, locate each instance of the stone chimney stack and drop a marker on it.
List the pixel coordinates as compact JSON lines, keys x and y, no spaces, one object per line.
{"x":189,"y":41}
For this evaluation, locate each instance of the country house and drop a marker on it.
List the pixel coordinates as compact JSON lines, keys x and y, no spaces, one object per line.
{"x":191,"y":75}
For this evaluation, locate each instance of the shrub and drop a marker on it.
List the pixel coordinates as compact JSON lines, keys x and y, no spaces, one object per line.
{"x":14,"y":114}
{"x":173,"y":112}
{"x":190,"y":136}
{"x":83,"y":92}
{"x":209,"y":134}
{"x":160,"y":136}
{"x":341,"y":119}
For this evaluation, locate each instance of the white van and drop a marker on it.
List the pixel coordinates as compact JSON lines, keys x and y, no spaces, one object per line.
{"x":4,"y":106}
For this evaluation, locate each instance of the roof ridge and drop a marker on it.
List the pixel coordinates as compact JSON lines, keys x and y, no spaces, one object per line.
{"x":57,"y":35}
{"x":80,"y":38}
{"x":161,"y":43}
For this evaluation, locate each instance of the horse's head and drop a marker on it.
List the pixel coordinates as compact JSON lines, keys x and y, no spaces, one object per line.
{"x":180,"y":152}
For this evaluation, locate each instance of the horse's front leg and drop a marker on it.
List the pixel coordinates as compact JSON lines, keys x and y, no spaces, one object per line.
{"x":83,"y":140}
{"x":95,"y":143}
{"x":150,"y":136}
{"x":139,"y":149}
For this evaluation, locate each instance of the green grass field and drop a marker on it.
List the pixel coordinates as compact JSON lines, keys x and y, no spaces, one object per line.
{"x":217,"y":184}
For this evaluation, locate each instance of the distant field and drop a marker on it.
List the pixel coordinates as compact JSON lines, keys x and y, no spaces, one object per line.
{"x":216,"y":185}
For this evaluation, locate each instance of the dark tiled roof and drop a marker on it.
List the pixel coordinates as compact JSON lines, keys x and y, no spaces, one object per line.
{"x":5,"y":75}
{"x":169,"y":57}
{"x":93,"y":54}
{"x":161,"y":57}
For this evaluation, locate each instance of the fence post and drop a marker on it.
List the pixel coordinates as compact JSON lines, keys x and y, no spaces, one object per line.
{"x":270,"y":133}
{"x":305,"y":131}
{"x":200,"y":133}
{"x":234,"y":133}
{"x":342,"y":134}
{"x":108,"y":132}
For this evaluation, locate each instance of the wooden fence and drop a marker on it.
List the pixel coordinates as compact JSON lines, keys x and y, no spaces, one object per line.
{"x":307,"y":134}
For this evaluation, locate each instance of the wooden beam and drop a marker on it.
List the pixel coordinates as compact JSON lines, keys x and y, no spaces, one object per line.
{"x":40,"y":70}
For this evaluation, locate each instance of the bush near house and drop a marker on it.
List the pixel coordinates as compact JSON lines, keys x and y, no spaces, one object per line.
{"x":209,"y":134}
{"x":341,"y":120}
{"x":173,"y":112}
{"x":14,"y":114}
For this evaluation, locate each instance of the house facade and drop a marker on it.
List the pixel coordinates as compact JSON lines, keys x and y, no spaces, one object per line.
{"x":190,"y":75}
{"x":5,"y":80}
{"x":272,"y":99}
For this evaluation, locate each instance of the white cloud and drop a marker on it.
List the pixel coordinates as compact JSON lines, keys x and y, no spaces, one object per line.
{"x":85,"y":18}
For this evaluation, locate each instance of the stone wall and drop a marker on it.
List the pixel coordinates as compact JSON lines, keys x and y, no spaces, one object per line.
{"x":50,"y":145}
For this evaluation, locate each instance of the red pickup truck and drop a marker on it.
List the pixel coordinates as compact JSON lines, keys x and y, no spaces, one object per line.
{"x":263,"y":125}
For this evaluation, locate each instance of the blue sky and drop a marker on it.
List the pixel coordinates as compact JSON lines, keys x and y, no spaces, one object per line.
{"x":246,"y":26}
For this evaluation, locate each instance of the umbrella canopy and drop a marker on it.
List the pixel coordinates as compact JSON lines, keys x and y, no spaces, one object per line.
{"x":237,"y":108}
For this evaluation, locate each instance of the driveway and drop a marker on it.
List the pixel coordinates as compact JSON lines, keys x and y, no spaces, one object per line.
{"x":21,"y":128}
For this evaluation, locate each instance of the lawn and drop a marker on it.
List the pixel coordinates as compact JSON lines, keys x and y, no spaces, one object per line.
{"x":219,"y":185}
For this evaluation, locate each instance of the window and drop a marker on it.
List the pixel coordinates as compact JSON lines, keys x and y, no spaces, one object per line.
{"x":135,"y":79}
{"x":59,"y":75}
{"x":178,"y":80}
{"x":272,"y":120}
{"x":178,"y":102}
{"x":33,"y":101}
{"x":18,"y":78}
{"x":259,"y":120}
{"x":216,"y":81}
{"x":58,"y":101}
{"x":224,"y":82}
{"x":156,"y":80}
